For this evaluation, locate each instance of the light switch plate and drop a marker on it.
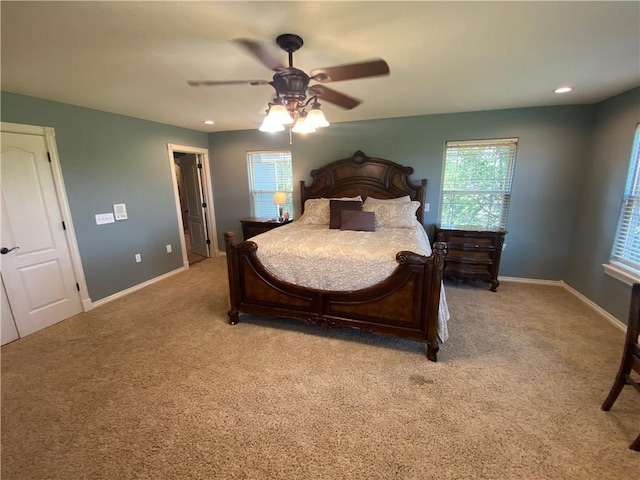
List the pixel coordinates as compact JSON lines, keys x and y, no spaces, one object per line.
{"x":120,"y":210}
{"x":102,"y":218}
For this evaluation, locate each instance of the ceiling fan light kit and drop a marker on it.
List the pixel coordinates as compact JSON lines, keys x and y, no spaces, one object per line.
{"x":292,"y":86}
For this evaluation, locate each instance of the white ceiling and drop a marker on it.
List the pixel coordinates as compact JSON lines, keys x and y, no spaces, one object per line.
{"x":134,"y":58}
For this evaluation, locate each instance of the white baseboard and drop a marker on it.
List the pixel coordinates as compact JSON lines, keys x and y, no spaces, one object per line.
{"x":613,"y":320}
{"x":536,"y":281}
{"x":135,"y":288}
{"x":560,"y":283}
{"x":87,"y":305}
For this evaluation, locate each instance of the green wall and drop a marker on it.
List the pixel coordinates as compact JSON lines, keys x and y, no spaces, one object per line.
{"x":600,"y":200}
{"x":553,"y":142}
{"x":107,"y":159}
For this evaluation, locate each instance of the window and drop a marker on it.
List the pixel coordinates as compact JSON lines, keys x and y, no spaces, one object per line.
{"x":477,"y":183}
{"x":269,"y":172}
{"x":626,"y":246}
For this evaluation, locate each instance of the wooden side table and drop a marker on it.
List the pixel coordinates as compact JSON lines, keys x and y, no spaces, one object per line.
{"x":472,"y":254}
{"x":254,"y":226}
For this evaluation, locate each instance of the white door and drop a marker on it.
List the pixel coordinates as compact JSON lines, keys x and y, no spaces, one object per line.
{"x":196,"y":209}
{"x":8,"y":333}
{"x":38,"y":275}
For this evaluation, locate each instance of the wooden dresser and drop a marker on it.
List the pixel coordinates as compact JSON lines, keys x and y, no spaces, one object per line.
{"x":472,"y":254}
{"x":254,"y":226}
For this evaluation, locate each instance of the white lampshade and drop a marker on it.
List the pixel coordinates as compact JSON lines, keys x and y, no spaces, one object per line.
{"x":280,"y":198}
{"x":303,"y":126}
{"x":279,"y":114}
{"x":270,"y":126}
{"x":316,"y":119}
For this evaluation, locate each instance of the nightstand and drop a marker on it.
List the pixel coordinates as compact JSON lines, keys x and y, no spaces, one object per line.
{"x":472,"y":254}
{"x":254,"y":226}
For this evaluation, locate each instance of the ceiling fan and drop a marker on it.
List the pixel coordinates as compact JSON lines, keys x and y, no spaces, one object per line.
{"x":292,"y":85}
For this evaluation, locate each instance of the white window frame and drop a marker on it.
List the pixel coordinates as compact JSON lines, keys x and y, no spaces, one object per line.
{"x":505,"y":190}
{"x":257,"y":187}
{"x":624,"y":264}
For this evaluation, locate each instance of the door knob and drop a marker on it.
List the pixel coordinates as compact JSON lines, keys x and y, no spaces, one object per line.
{"x":5,"y":250}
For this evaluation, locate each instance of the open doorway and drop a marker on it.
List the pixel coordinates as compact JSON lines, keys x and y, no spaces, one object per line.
{"x":192,"y":188}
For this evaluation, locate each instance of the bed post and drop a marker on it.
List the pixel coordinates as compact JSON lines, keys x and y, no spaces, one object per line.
{"x":232,"y":268}
{"x":435,"y":285}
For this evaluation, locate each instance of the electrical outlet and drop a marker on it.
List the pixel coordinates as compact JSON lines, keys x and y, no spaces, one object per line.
{"x":138,"y":258}
{"x":426,"y":207}
{"x":169,"y":248}
{"x":102,"y":218}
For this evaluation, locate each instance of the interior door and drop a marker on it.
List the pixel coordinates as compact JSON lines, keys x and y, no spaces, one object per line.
{"x":197,"y":217}
{"x":8,"y":331}
{"x":36,"y":262}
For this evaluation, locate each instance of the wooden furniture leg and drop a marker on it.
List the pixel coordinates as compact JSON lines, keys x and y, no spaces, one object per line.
{"x":630,"y":358}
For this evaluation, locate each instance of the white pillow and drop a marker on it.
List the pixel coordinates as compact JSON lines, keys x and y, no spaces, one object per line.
{"x":317,"y":211}
{"x":394,"y":214}
{"x":371,"y":200}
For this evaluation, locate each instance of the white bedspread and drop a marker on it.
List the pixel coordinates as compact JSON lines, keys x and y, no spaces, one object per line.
{"x":315,"y":256}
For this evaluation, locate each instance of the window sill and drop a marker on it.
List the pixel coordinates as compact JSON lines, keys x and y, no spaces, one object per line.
{"x":621,"y":273}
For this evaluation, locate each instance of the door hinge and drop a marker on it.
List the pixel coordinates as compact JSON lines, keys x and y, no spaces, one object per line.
{"x":77,"y":286}
{"x":204,"y":204}
{"x":49,"y":157}
{"x":208,"y":242}
{"x":64,"y":227}
{"x":200,"y":165}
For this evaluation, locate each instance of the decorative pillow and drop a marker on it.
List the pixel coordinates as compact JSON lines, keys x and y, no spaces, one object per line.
{"x":358,"y":220}
{"x":405,"y":199}
{"x":317,"y":210}
{"x":394,"y":214}
{"x":337,"y":206}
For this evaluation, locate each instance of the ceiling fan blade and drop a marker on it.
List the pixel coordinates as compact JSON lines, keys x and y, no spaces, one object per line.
{"x":332,"y":96}
{"x":209,"y":83}
{"x":372,"y":68}
{"x":261,"y":53}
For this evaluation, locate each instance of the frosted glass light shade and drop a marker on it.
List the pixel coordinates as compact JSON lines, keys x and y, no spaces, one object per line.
{"x":279,"y":114}
{"x":316,"y":119}
{"x":270,"y":126}
{"x":303,"y":126}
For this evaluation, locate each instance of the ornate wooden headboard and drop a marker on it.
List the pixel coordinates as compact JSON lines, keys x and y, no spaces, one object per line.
{"x":365,"y":176}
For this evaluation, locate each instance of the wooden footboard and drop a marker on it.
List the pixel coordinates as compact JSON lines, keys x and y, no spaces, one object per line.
{"x":404,"y":305}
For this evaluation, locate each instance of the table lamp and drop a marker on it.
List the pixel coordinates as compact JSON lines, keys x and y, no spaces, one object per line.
{"x":280,"y":198}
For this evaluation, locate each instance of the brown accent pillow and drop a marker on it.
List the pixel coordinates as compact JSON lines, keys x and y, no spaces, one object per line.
{"x":336,"y":207}
{"x":358,"y":220}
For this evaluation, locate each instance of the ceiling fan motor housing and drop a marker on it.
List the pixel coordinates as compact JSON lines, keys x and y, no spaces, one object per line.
{"x":291,"y":85}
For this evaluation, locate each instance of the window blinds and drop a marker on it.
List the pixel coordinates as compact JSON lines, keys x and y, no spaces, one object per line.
{"x":269,"y":172}
{"x":477,"y":182}
{"x":626,"y":247}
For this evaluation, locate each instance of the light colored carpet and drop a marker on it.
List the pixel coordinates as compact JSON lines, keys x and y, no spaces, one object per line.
{"x":157,"y":385}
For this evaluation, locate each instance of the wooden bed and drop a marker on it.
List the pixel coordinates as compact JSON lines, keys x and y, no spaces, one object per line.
{"x":404,"y":305}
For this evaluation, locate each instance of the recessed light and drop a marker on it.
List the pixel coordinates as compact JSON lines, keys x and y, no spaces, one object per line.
{"x":563,"y":89}
{"x":208,"y":122}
